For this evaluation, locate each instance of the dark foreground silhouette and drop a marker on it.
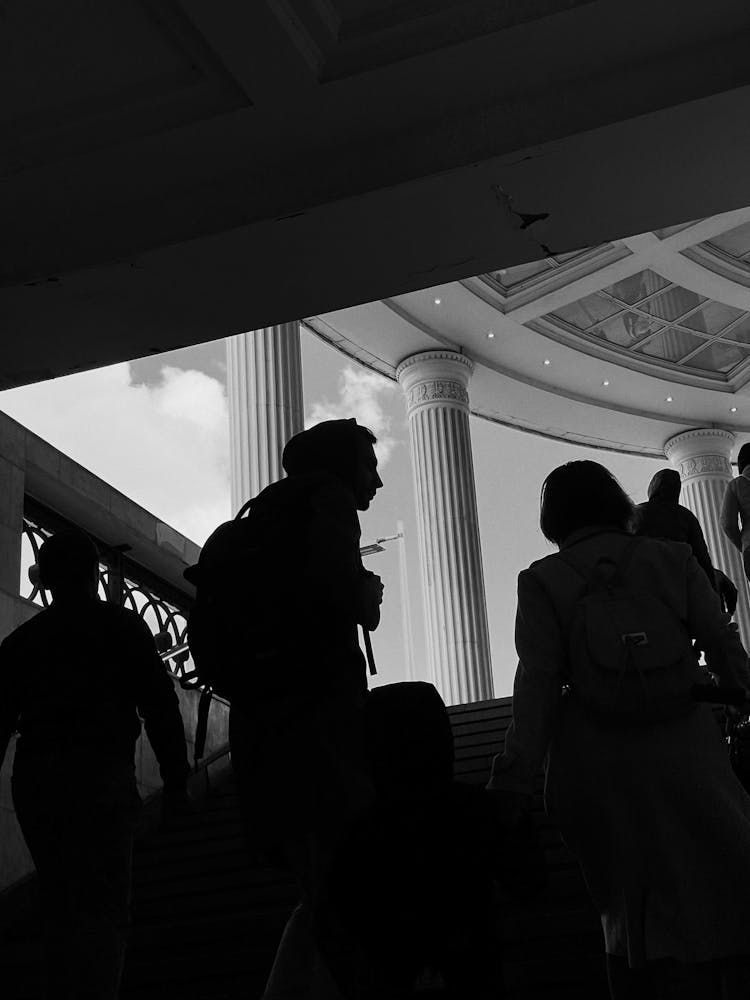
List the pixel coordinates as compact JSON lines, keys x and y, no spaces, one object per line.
{"x":73,"y":682}
{"x":299,"y":679}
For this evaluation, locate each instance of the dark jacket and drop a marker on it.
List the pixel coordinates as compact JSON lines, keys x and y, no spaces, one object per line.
{"x":78,"y":676}
{"x":662,"y":516}
{"x":307,"y":606}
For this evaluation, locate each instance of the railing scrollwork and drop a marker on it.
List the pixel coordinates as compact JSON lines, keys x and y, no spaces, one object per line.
{"x":161,"y":606}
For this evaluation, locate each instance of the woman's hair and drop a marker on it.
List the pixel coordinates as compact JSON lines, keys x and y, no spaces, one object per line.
{"x":581,"y":494}
{"x":330,"y":446}
{"x":743,"y":457}
{"x":69,"y":557}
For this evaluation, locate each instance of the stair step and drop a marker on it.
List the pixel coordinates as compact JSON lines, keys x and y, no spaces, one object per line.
{"x":208,"y":915}
{"x":211,"y":905}
{"x":184,"y":855}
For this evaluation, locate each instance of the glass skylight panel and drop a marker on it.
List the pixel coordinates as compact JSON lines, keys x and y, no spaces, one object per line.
{"x":672,"y":345}
{"x":718,"y":357}
{"x":627,"y":329}
{"x":646,"y":316}
{"x":711,"y":317}
{"x":740,"y":332}
{"x":736,"y":242}
{"x":587,"y":311}
{"x":637,"y":286}
{"x":672,"y":303}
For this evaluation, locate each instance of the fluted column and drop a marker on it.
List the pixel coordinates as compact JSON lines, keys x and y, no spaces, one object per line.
{"x":436,"y":387}
{"x":264,"y":378}
{"x":702,"y":457}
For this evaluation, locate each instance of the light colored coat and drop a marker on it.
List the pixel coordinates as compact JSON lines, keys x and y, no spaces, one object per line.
{"x":655,"y":815}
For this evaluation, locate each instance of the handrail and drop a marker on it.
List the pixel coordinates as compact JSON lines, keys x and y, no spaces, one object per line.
{"x":168,"y":654}
{"x":190,"y":682}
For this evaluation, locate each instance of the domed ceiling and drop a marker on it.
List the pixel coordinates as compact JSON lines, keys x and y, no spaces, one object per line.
{"x":618,"y":346}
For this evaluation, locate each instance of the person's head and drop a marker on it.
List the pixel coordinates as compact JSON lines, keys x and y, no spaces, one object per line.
{"x":580,"y":495}
{"x":743,"y":457}
{"x":665,"y":486}
{"x":69,"y":564}
{"x":343,"y":448}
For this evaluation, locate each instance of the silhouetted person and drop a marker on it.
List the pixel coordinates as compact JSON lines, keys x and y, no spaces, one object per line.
{"x":296,"y":732}
{"x":73,"y":682}
{"x":735,"y":510}
{"x":647,"y":802}
{"x":663,"y":516}
{"x":413,"y":881}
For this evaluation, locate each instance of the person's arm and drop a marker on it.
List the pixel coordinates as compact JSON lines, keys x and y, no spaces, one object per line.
{"x":714,"y":630}
{"x":727,"y":590}
{"x":370,"y":599}
{"x":10,"y":708}
{"x":332,"y":570}
{"x":729,"y":518}
{"x":159,"y":708}
{"x":697,"y":543}
{"x":536,"y":690}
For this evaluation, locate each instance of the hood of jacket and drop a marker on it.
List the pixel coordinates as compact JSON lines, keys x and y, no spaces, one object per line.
{"x":665,"y":486}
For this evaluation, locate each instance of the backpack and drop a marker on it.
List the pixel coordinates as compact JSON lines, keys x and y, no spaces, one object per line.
{"x":246,"y":595}
{"x":631,"y":658}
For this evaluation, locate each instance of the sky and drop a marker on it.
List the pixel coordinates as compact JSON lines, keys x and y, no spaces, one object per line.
{"x":157,"y":429}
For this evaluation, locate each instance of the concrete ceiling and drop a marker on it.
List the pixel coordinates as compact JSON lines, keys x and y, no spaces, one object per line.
{"x":177,"y":172}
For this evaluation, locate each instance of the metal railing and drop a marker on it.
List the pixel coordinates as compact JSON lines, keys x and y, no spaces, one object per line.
{"x":124,"y":582}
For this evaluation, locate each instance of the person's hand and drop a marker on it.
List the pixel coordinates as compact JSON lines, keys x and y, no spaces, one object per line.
{"x":371,"y":596}
{"x":374,"y":587}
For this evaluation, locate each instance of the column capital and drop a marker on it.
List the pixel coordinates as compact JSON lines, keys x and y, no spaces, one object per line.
{"x":440,"y":377}
{"x":703,"y":451}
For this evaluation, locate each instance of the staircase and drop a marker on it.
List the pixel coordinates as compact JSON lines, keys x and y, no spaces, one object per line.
{"x":553,"y":945}
{"x":207,"y":917}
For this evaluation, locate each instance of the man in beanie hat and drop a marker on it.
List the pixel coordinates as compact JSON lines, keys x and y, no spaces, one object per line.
{"x":296,"y":734}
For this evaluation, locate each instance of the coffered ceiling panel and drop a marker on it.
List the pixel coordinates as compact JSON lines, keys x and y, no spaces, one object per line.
{"x":355,"y":36}
{"x":149,"y":70}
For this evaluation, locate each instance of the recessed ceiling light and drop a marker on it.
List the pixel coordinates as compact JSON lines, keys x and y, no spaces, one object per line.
{"x":490,"y":335}
{"x":547,"y":361}
{"x":669,"y":399}
{"x":605,"y":382}
{"x":438,"y":301}
{"x":733,"y":409}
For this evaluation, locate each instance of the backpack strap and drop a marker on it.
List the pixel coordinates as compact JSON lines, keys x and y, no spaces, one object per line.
{"x":244,"y":509}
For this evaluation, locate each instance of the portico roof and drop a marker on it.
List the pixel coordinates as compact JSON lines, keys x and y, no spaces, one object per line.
{"x":619,"y":346}
{"x":179,"y":172}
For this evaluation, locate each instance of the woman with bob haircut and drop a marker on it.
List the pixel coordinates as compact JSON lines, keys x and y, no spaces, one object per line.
{"x":652,"y":810}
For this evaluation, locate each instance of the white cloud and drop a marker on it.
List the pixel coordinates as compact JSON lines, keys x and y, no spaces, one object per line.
{"x":360,"y":396}
{"x":164,"y":446}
